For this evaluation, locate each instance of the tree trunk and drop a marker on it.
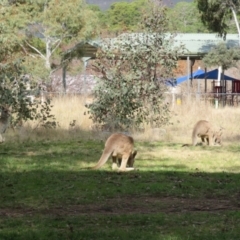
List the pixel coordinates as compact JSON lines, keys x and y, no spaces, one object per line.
{"x":64,"y":70}
{"x":48,"y":53}
{"x":237,"y":24}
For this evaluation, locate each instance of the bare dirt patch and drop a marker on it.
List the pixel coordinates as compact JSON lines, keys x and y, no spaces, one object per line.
{"x":131,"y":205}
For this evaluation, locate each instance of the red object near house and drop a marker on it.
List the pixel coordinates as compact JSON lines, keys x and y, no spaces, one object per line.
{"x":236,"y":86}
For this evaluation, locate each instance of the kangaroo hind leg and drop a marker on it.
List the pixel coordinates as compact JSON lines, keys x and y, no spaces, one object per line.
{"x":124,"y":162}
{"x":114,"y":162}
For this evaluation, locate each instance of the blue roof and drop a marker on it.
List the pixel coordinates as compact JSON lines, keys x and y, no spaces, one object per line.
{"x":200,"y":74}
{"x":214,"y":75}
{"x":185,"y":78}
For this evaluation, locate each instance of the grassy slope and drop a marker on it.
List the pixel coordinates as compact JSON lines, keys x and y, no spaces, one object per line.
{"x":178,"y":193}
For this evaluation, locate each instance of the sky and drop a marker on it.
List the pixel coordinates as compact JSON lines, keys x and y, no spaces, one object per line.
{"x":104,"y":4}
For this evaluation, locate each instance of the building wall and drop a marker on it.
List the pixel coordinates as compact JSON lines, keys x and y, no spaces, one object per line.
{"x":182,"y":68}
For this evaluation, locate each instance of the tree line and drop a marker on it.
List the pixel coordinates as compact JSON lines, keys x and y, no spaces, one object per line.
{"x":183,"y":17}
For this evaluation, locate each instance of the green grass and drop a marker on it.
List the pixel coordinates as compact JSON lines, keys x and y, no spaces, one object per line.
{"x":176,"y":193}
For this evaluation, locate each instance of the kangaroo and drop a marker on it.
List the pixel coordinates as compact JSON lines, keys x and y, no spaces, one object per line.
{"x":4,"y":121}
{"x":217,"y":138}
{"x":117,"y":161}
{"x":204,"y":130}
{"x":121,"y":148}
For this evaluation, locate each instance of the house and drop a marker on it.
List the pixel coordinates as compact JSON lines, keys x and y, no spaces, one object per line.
{"x":196,"y":46}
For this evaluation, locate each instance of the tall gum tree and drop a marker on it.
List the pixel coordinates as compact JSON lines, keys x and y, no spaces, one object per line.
{"x":15,"y":86}
{"x":31,"y":33}
{"x":53,"y":22}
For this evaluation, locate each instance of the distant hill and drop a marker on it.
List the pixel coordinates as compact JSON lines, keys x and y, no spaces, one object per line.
{"x":105,"y":4}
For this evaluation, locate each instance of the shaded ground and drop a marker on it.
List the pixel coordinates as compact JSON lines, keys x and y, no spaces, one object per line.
{"x":132,"y":205}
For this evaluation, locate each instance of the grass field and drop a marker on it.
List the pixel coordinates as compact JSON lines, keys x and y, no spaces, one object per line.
{"x":176,"y":193}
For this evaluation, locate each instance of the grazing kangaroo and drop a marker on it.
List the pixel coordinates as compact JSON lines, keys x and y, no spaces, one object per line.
{"x":204,"y":130}
{"x":4,"y":121}
{"x":118,"y":161}
{"x":121,"y":148}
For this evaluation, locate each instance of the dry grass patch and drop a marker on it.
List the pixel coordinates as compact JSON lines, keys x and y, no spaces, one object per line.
{"x":185,"y":116}
{"x":74,"y":123}
{"x":69,"y":109}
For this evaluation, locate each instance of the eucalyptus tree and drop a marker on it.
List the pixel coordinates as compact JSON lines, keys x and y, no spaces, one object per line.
{"x":31,"y":33}
{"x":14,"y":90}
{"x":54,"y":23}
{"x":184,"y":17}
{"x":222,"y":56}
{"x":216,"y":14}
{"x":132,"y":70}
{"x":124,"y":16}
{"x":101,"y":16}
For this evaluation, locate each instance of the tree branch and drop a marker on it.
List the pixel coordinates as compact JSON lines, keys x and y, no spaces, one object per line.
{"x":236,"y":22}
{"x":35,"y":49}
{"x":57,"y":42}
{"x":26,"y":52}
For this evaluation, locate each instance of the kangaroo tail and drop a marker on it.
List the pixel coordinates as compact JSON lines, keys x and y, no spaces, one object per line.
{"x":105,"y":156}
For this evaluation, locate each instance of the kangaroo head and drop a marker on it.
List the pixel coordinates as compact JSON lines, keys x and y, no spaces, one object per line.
{"x":218,"y":137}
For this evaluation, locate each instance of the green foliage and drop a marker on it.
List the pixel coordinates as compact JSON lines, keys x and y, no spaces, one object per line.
{"x":11,"y":20}
{"x":124,"y":16}
{"x":222,"y":56}
{"x":15,"y":91}
{"x":215,"y":14}
{"x":36,"y":67}
{"x":47,"y":26}
{"x":184,"y":17}
{"x":46,"y":195}
{"x":32,"y":34}
{"x":100,"y":15}
{"x":133,"y":70}
{"x":15,"y":78}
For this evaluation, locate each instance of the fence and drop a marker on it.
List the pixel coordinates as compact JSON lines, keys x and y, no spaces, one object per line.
{"x":215,"y":99}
